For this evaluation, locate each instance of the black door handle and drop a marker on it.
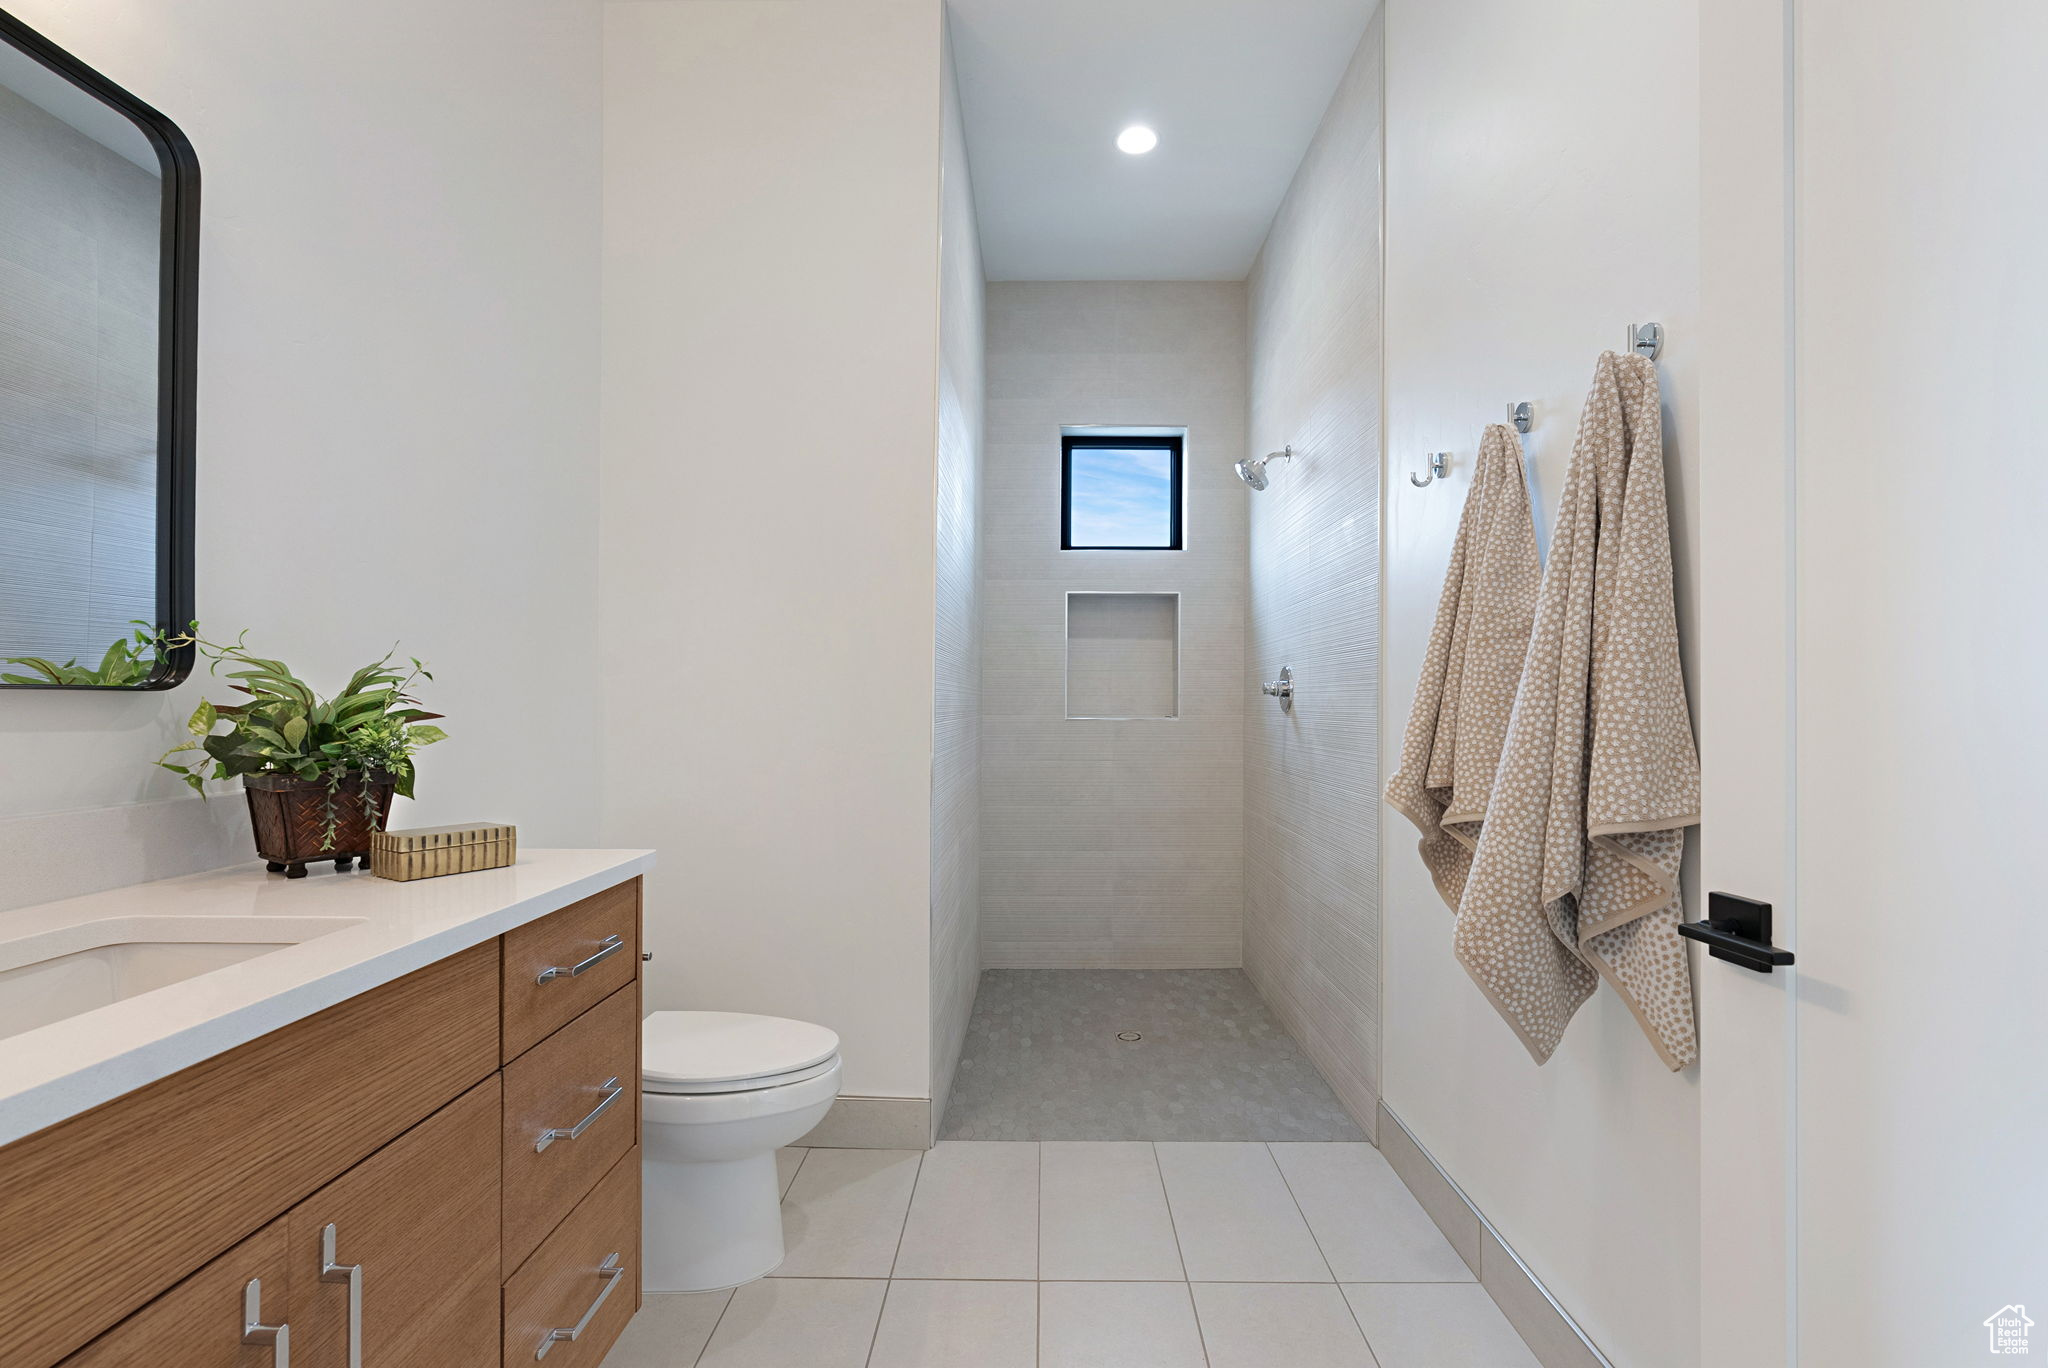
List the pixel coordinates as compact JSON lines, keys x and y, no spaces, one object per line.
{"x":1738,"y":930}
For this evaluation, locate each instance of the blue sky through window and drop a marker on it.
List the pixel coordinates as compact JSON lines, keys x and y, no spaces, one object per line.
{"x":1120,"y":496}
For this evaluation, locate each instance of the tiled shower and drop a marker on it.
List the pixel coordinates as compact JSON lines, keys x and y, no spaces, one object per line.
{"x":1112,"y":732}
{"x":1143,"y":804}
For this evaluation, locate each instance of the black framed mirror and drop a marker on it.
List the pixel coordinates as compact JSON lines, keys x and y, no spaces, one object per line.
{"x":99,"y":255}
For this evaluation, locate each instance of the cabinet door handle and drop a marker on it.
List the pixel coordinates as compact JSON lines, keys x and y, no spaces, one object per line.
{"x":332,"y":1271}
{"x":254,"y":1331}
{"x":611,"y":945}
{"x":612,"y":1092}
{"x":609,"y":1272}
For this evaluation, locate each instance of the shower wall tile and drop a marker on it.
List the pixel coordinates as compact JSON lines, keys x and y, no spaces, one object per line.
{"x":1312,"y":809}
{"x":1112,"y":844}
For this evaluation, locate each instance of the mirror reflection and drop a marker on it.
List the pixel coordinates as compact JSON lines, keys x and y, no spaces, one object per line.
{"x":84,"y":229}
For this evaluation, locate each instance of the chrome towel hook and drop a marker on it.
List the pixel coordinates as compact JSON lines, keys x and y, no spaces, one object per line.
{"x":1438,"y":460}
{"x":1646,"y":339}
{"x":1522,"y":416}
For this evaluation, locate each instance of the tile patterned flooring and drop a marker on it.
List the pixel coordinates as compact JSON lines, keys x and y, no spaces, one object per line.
{"x":1043,"y":1061}
{"x":1092,"y":1254}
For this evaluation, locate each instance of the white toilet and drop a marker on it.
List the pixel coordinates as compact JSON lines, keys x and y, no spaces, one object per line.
{"x":720,"y":1092}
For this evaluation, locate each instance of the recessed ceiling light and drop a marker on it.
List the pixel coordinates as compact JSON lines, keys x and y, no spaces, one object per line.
{"x":1137,"y":140}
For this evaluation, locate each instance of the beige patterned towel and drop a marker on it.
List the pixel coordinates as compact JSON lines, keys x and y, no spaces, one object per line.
{"x":1577,"y":871}
{"x":1467,"y":688}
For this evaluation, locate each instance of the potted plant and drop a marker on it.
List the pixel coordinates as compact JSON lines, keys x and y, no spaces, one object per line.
{"x":319,"y":772}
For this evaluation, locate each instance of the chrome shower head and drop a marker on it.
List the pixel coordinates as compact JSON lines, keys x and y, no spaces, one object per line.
{"x":1252,"y":469}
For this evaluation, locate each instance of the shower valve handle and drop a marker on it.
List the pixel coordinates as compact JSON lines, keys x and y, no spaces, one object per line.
{"x":1281,"y":688}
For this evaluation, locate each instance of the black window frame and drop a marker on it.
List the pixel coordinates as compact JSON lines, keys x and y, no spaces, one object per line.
{"x":1170,"y":443}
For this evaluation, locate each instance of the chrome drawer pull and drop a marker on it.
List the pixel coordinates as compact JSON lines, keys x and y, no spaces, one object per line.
{"x":254,"y":1331}
{"x":610,"y":1272}
{"x":612,"y":1092}
{"x":611,"y":945}
{"x":352,"y":1274}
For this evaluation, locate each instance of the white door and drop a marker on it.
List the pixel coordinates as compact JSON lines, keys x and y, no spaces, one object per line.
{"x":1874,"y":682}
{"x":1745,"y":681}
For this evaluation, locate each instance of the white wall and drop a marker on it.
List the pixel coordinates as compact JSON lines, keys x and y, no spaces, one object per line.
{"x":771,"y":199}
{"x":397,"y":397}
{"x":1542,"y":192}
{"x":956,"y":705}
{"x":1112,"y":844}
{"x":1312,"y":934}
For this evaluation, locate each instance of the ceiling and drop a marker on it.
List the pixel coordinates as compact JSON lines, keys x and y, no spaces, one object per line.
{"x":1235,"y":89}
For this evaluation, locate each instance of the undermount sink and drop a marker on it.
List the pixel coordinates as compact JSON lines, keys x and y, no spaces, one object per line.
{"x":54,"y":975}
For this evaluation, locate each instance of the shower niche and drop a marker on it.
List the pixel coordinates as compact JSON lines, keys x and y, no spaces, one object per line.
{"x":1123,"y":656}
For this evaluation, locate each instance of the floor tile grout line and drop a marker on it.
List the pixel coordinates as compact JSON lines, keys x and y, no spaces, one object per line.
{"x":1038,"y":1233}
{"x":1154,"y":1282}
{"x":915,"y":1179}
{"x":875,"y":1335}
{"x":796,"y":1173}
{"x":1370,"y":1352}
{"x":877,"y":1277}
{"x":1201,"y":1335}
{"x":889,"y":1280}
{"x":1308,"y":1225}
{"x":1038,"y":1324}
{"x":1342,"y":1296}
{"x":705,"y":1347}
{"x":1172,"y":1225}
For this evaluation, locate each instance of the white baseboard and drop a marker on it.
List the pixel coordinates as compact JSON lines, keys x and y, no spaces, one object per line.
{"x":874,"y":1123}
{"x":1546,"y":1327}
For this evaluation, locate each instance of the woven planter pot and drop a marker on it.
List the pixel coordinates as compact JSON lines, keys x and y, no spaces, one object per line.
{"x":291,"y":816}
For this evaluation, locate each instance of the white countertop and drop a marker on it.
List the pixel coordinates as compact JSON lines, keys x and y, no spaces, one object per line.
{"x":57,"y":1071}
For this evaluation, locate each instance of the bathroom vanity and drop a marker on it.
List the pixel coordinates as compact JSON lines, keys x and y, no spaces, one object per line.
{"x":339,"y":1122}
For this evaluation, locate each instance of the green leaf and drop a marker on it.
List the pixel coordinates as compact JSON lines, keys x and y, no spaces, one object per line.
{"x":51,"y":672}
{"x":351,"y":710}
{"x":425,"y":736}
{"x":222,"y":746}
{"x":203,"y":719}
{"x":295,"y":732}
{"x":270,"y":734}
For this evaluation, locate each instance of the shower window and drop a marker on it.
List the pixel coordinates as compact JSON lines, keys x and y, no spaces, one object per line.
{"x":1120,"y":493}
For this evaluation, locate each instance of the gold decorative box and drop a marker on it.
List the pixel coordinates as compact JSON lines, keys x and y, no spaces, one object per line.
{"x":428,"y":852}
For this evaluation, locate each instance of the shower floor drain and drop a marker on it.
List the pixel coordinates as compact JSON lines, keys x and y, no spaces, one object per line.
{"x":1129,"y":1035}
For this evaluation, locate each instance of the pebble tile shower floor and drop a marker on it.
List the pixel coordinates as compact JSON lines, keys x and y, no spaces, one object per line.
{"x":1043,"y":1061}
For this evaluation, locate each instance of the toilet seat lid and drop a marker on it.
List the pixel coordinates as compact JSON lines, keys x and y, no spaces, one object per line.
{"x":729,"y":1047}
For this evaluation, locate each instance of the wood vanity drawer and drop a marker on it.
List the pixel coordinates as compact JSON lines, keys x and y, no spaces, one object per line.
{"x":101,"y":1213}
{"x":553,"y":973}
{"x":198,"y":1323}
{"x":560,"y":1285}
{"x":420,"y":1218}
{"x":557,"y":1086}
